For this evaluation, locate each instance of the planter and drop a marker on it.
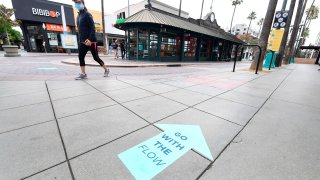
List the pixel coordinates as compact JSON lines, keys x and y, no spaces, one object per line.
{"x":11,"y":51}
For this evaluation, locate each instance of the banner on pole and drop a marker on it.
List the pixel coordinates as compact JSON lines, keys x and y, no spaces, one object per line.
{"x":275,"y":39}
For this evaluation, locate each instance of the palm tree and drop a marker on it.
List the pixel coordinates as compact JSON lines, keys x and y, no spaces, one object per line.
{"x":260,"y":23}
{"x":252,"y":16}
{"x":235,"y":3}
{"x":263,"y":40}
{"x":295,"y":29}
{"x":312,"y":13}
{"x":278,"y":61}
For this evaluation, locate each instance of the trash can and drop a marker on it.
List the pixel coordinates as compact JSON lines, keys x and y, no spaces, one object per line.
{"x":268,"y":59}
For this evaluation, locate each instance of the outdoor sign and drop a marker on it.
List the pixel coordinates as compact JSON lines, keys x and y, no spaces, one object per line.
{"x":42,"y":11}
{"x":45,"y":12}
{"x":53,"y":39}
{"x":280,"y":20}
{"x":56,"y":27}
{"x":69,"y":41}
{"x":152,"y":156}
{"x":275,"y":39}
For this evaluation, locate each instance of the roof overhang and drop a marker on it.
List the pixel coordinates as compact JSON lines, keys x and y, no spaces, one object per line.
{"x":147,"y":16}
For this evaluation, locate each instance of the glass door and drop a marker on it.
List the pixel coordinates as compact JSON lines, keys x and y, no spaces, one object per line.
{"x":153,"y":45}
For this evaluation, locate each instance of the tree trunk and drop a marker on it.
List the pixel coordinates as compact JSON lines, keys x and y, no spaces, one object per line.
{"x":263,"y":40}
{"x":279,"y":58}
{"x":249,"y":27}
{"x":234,"y":10}
{"x":295,"y":30}
{"x":247,"y":36}
{"x":304,"y":26}
{"x":259,"y":31}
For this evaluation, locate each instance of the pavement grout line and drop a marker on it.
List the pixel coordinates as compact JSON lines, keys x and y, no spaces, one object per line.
{"x":218,"y":117}
{"x":211,"y":164}
{"x":70,"y":97}
{"x":238,"y":102}
{"x":60,"y":134}
{"x":292,"y":102}
{"x":43,"y":170}
{"x":20,"y":94}
{"x":75,"y":114}
{"x":118,"y":102}
{"x":24,"y":105}
{"x":109,"y":142}
{"x":31,"y":125}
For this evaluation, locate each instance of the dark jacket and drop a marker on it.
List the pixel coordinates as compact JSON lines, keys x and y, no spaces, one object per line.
{"x":86,"y":28}
{"x":122,"y":47}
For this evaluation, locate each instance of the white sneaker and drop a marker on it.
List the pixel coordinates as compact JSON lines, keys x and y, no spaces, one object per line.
{"x":81,"y":76}
{"x":106,"y":73}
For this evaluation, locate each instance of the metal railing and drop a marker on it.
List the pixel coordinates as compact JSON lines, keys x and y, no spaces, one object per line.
{"x":242,"y":46}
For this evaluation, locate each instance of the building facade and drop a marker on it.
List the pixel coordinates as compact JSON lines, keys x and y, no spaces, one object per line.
{"x":241,"y":29}
{"x":156,"y":35}
{"x":113,"y":34}
{"x":41,"y":24}
{"x":134,"y":8}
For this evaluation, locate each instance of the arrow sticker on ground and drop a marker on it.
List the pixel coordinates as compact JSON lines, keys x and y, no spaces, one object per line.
{"x":150,"y":157}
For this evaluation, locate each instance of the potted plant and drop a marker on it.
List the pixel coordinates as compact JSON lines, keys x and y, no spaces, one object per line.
{"x":6,"y":28}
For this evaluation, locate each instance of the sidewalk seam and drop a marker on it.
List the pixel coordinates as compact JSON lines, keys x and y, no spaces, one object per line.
{"x":211,"y":164}
{"x":60,"y":134}
{"x":43,"y":170}
{"x":27,"y":126}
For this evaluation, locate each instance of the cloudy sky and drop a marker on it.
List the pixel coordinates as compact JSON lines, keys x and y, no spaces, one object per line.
{"x":222,"y":8}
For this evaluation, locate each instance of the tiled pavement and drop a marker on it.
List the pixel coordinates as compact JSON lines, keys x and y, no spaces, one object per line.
{"x":75,"y":129}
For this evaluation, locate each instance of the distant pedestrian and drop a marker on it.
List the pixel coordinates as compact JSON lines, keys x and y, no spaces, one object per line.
{"x":86,"y":32}
{"x":115,"y":49}
{"x":123,"y":50}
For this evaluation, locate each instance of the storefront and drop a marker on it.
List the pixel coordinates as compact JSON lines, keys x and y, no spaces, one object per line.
{"x":159,"y":36}
{"x":41,"y":24}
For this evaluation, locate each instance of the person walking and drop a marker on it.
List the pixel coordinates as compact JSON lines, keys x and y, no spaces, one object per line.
{"x":115,"y":49}
{"x":123,"y":50}
{"x":87,"y":37}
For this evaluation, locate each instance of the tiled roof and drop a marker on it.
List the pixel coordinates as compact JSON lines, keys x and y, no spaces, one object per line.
{"x":155,"y":17}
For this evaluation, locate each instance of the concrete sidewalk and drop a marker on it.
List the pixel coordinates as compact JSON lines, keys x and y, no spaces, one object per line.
{"x":256,"y":126}
{"x":109,"y":60}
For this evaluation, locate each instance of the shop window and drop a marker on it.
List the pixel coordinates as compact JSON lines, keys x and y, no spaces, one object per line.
{"x":143,"y":43}
{"x":153,"y":44}
{"x":205,"y":48}
{"x":170,"y":45}
{"x":133,"y":43}
{"x":190,"y":45}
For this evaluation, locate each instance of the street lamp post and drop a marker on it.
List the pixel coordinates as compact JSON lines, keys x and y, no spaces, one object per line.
{"x":103,"y":27}
{"x":180,"y":8}
{"x":201,"y":9}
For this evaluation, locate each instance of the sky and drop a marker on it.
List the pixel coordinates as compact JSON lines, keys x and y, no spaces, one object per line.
{"x":222,"y":9}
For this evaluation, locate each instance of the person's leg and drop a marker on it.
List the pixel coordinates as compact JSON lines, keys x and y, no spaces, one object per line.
{"x":83,"y":49}
{"x":94,"y":52}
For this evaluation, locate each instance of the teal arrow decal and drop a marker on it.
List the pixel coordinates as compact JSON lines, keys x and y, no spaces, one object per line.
{"x":152,"y":156}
